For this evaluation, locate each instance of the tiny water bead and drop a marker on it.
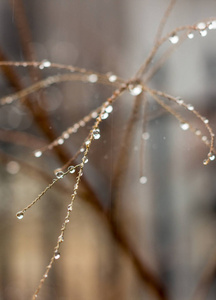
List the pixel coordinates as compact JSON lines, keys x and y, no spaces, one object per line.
{"x":146,"y":135}
{"x":93,"y":78}
{"x":203,"y":32}
{"x":143,"y":179}
{"x":82,"y":149}
{"x":85,"y":160}
{"x":201,"y":26}
{"x":212,"y":25}
{"x":211,"y":156}
{"x":60,"y":141}
{"x":190,"y":35}
{"x":70,"y":207}
{"x":179,"y":100}
{"x":111,"y":77}
{"x":109,"y":109}
{"x":206,"y":161}
{"x":184,"y":126}
{"x":38,"y":153}
{"x":57,"y":255}
{"x":66,"y":135}
{"x":198,"y":132}
{"x":96,"y":134}
{"x":135,"y":89}
{"x":71,"y":169}
{"x":104,"y":116}
{"x":44,"y":64}
{"x":190,"y":107}
{"x":59,"y":174}
{"x":174,"y":39}
{"x":20,"y":215}
{"x":87,"y":142}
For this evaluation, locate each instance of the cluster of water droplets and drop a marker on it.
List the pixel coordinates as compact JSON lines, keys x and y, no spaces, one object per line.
{"x":201,"y":27}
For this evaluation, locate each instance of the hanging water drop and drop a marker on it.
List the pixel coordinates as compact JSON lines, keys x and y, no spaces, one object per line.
{"x":206,"y":161}
{"x":59,"y":174}
{"x":198,"y":132}
{"x":212,"y":25}
{"x":71,"y":169}
{"x":190,"y":35}
{"x":143,"y":179}
{"x":60,"y":141}
{"x":94,"y":115}
{"x":174,"y":39}
{"x":111,"y":77}
{"x":20,"y":215}
{"x":204,"y":138}
{"x":93,"y":78}
{"x":135,"y":89}
{"x":104,"y":116}
{"x":184,"y":126}
{"x":211,"y":156}
{"x":203,"y":32}
{"x":66,"y":135}
{"x":146,"y":135}
{"x":190,"y":107}
{"x":38,"y":153}
{"x":57,"y":255}
{"x":87,"y":142}
{"x":82,"y":149}
{"x":179,"y":100}
{"x":109,"y":109}
{"x":96,"y":134}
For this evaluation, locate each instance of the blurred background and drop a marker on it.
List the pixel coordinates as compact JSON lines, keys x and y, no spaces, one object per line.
{"x":125,"y":240}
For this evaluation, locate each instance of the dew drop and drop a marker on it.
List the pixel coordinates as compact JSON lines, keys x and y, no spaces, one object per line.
{"x":93,"y":78}
{"x":190,"y":35}
{"x":87,"y":142}
{"x":211,"y":156}
{"x":61,"y":239}
{"x":94,"y":115}
{"x":66,"y":135}
{"x":203,"y":32}
{"x":206,"y":161}
{"x":60,"y":141}
{"x":174,"y":39}
{"x":38,"y":153}
{"x":143,"y":179}
{"x":111,"y":77}
{"x":104,"y":116}
{"x":44,"y":64}
{"x":20,"y":215}
{"x":146,"y":135}
{"x":206,"y":121}
{"x":82,"y":123}
{"x":85,"y":160}
{"x":179,"y":100}
{"x":96,"y":134}
{"x":204,"y":138}
{"x":59,"y":174}
{"x":190,"y":107}
{"x":184,"y":126}
{"x":109,"y":109}
{"x":135,"y":89}
{"x":71,"y":169}
{"x":57,"y":255}
{"x":212,"y":25}
{"x":82,"y":149}
{"x":198,"y":132}
{"x":201,"y":26}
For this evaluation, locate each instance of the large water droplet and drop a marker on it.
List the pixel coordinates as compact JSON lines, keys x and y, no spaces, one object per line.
{"x":190,"y":107}
{"x":174,"y":39}
{"x":143,"y":179}
{"x":109,"y":109}
{"x":37,"y":153}
{"x":20,"y":215}
{"x":184,"y":126}
{"x":135,"y":89}
{"x":211,"y":156}
{"x":93,"y":78}
{"x":190,"y":35}
{"x":59,"y":174}
{"x":206,"y":161}
{"x":179,"y":100}
{"x":71,"y":169}
{"x":57,"y":255}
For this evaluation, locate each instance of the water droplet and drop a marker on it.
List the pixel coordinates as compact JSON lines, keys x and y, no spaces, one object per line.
{"x":12,"y":167}
{"x":212,"y":25}
{"x":37,"y":153}
{"x":87,"y":142}
{"x":82,"y":123}
{"x":203,"y":32}
{"x":61,"y":238}
{"x":109,"y":109}
{"x":70,"y":207}
{"x":96,"y":134}
{"x":135,"y":89}
{"x":71,"y":169}
{"x":57,"y":255}
{"x":184,"y":126}
{"x":60,"y":141}
{"x":190,"y":35}
{"x":201,"y":25}
{"x":94,"y":115}
{"x":82,"y":149}
{"x":44,"y":64}
{"x":20,"y":215}
{"x":143,"y":179}
{"x":93,"y":78}
{"x":179,"y":100}
{"x":206,"y":161}
{"x":85,"y":160}
{"x":190,"y":107}
{"x":66,"y":135}
{"x":146,"y":135}
{"x":211,"y":156}
{"x":206,"y":121}
{"x":111,"y":77}
{"x":59,"y":174}
{"x":198,"y":132}
{"x":204,"y":138}
{"x":104,"y":116}
{"x":174,"y":39}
